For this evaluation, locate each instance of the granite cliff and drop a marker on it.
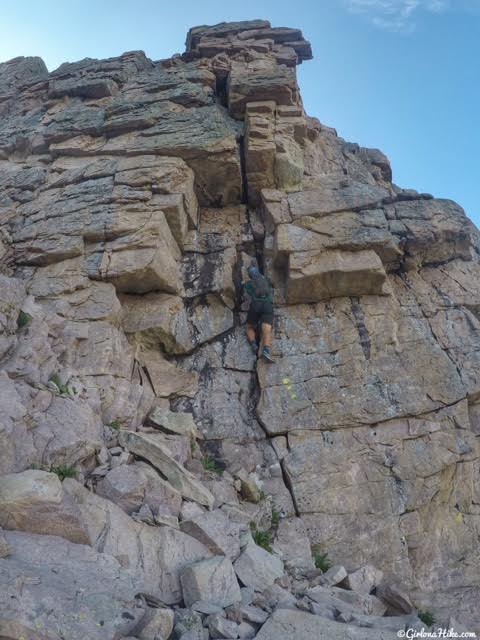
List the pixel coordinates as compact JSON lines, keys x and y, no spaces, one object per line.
{"x":155,"y":480}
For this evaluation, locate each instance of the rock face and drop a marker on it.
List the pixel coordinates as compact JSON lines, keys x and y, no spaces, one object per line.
{"x":133,"y":195}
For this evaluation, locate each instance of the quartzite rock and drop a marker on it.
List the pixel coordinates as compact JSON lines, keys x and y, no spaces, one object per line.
{"x":258,"y":568}
{"x":210,"y":580}
{"x":34,"y":501}
{"x":298,"y":625}
{"x":71,"y":588}
{"x":133,"y":196}
{"x":153,"y":449}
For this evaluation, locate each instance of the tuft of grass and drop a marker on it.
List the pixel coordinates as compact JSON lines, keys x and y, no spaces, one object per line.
{"x":275,"y":517}
{"x":322,"y":561}
{"x":426,"y":617}
{"x":209,"y":464}
{"x":262,"y":538}
{"x":64,"y":471}
{"x":193,"y":445}
{"x":63,"y":389}
{"x":114,"y":424}
{"x":23,"y":319}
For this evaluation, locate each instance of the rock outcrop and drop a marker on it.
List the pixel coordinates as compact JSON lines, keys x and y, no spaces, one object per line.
{"x":155,"y":480}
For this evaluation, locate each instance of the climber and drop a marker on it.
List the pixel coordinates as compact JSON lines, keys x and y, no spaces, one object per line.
{"x":260,"y":291}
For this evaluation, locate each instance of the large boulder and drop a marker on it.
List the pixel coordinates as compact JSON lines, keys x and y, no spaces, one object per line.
{"x":216,"y":531}
{"x":153,"y":449}
{"x":314,"y":276}
{"x":290,"y":624}
{"x":257,"y":568}
{"x":51,"y":587}
{"x":153,"y":555}
{"x":212,"y":581}
{"x":34,"y":501}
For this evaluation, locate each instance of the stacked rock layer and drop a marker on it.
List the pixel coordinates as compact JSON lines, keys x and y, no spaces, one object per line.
{"x":133,"y":195}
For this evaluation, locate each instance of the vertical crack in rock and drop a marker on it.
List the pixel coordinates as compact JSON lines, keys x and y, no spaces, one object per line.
{"x":360,"y":325}
{"x":133,"y":195}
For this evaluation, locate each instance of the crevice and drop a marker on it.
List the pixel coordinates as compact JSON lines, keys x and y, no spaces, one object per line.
{"x":363,"y":334}
{"x":432,"y":332}
{"x":243,"y":169}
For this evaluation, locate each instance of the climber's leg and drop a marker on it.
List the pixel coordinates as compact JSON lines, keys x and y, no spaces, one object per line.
{"x":266,"y":334}
{"x":252,"y":337}
{"x":266,"y":341}
{"x":266,"y":323}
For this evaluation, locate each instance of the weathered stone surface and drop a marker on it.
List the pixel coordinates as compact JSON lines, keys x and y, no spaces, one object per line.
{"x":17,"y":450}
{"x":258,"y":568}
{"x":67,"y":432}
{"x":292,"y":543}
{"x":133,"y":196}
{"x":395,"y":598}
{"x":298,"y":625}
{"x":333,"y":575}
{"x":157,"y":623}
{"x":334,"y":274}
{"x":152,"y":449}
{"x":33,"y":501}
{"x":348,"y":602}
{"x":161,"y":319}
{"x":335,"y":194}
{"x":132,"y":485}
{"x":363,"y":580}
{"x":50,"y":586}
{"x":153,"y":555}
{"x":4,"y":548}
{"x":188,"y":625}
{"x":125,"y":486}
{"x":210,"y":580}
{"x":215,"y":531}
{"x":220,"y":627}
{"x":173,"y":422}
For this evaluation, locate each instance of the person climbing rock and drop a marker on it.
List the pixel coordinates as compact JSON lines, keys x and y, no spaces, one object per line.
{"x":260,"y":313}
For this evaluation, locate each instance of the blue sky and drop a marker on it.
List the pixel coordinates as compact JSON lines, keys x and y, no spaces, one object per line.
{"x":400,"y":75}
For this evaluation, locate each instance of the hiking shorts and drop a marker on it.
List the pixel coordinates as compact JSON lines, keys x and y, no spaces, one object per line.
{"x":260,"y":312}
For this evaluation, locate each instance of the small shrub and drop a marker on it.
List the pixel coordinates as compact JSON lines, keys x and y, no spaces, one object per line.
{"x":275,"y":517}
{"x":63,"y":389}
{"x":426,"y":617}
{"x":64,"y":471}
{"x":209,"y":464}
{"x":23,"y":319}
{"x":322,"y":561}
{"x":114,"y":424}
{"x":262,"y":538}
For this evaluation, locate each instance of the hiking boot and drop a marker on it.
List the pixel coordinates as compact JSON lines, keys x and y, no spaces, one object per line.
{"x":254,"y":347}
{"x":266,"y":355}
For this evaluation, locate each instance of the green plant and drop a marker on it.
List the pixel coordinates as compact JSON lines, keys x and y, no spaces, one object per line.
{"x":63,"y":389}
{"x":193,"y":445}
{"x":23,"y":319}
{"x":322,"y":561}
{"x":426,"y":617}
{"x":114,"y":424}
{"x":64,"y":471}
{"x":262,"y":538}
{"x":209,"y":464}
{"x":275,"y":517}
